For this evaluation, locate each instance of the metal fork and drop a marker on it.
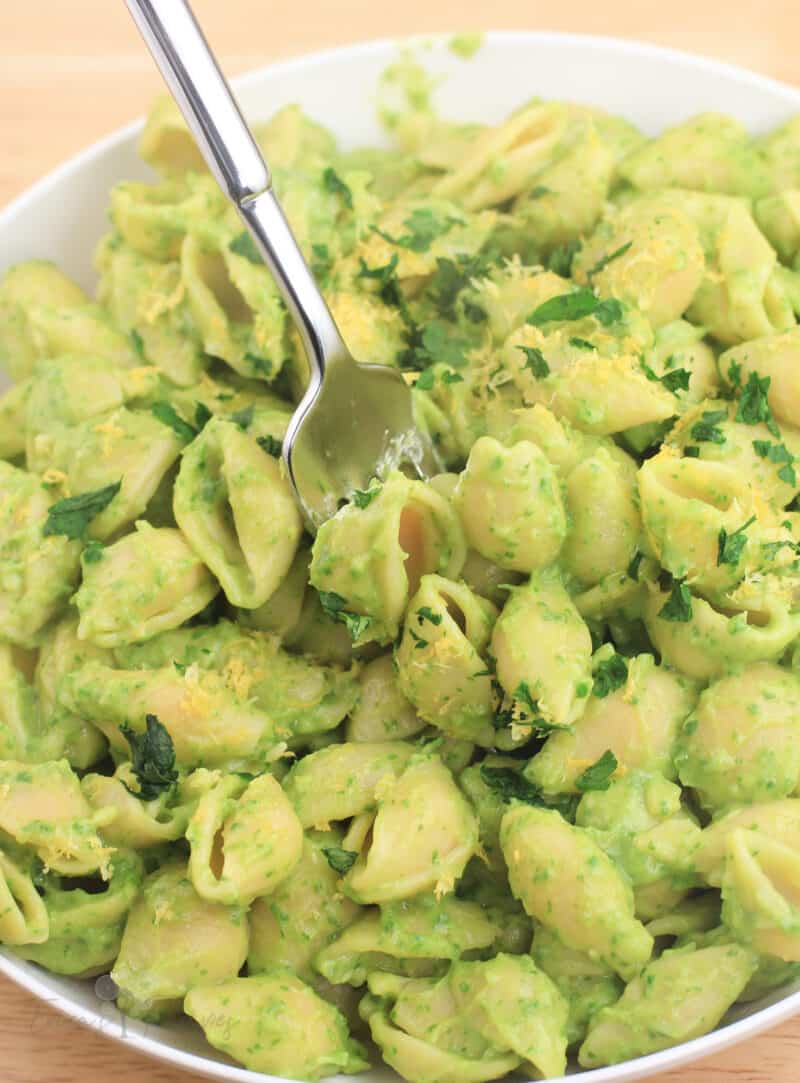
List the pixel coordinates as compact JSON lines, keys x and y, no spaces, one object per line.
{"x":354,"y":420}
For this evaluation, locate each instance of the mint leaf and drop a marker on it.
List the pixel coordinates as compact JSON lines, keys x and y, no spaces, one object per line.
{"x":166,"y":413}
{"x":605,"y":260}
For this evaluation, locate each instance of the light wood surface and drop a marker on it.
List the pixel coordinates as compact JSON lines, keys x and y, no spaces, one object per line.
{"x":72,"y":70}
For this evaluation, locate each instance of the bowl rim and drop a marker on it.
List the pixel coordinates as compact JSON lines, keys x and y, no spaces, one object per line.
{"x":133,"y":1033}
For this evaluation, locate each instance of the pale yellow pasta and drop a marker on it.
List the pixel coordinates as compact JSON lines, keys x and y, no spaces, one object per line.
{"x":773,"y":357}
{"x":441,"y":655}
{"x":23,"y":915}
{"x":382,"y":713}
{"x":760,"y":894}
{"x":510,"y":505}
{"x":237,"y":512}
{"x":566,"y":882}
{"x":245,"y":839}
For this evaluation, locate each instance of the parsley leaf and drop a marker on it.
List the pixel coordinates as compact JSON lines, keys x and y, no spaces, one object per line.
{"x":152,"y":759}
{"x":604,"y":262}
{"x":425,"y":380}
{"x":510,"y":786}
{"x":362,"y":498}
{"x":754,"y":405}
{"x":93,"y":552}
{"x":610,"y":675}
{"x":691,"y":451}
{"x":426,"y":613}
{"x":333,"y":605}
{"x":676,"y":380}
{"x":245,"y":246}
{"x":438,"y":343}
{"x":138,"y":343}
{"x":169,"y":416}
{"x":574,"y":306}
{"x":535,"y":361}
{"x":777,"y":453}
{"x":560,"y":259}
{"x":788,"y":475}
{"x":678,"y":607}
{"x":735,"y":374}
{"x":333,"y":183}
{"x":581,"y":343}
{"x":565,"y":306}
{"x":452,"y":276}
{"x":633,"y":567}
{"x":72,"y":515}
{"x":423,"y":228}
{"x":598,"y":776}
{"x":202,"y":416}
{"x":244,"y":417}
{"x":706,"y":429}
{"x":340,"y":860}
{"x":419,"y":642}
{"x":730,"y":546}
{"x":272,"y":446}
{"x":450,"y":377}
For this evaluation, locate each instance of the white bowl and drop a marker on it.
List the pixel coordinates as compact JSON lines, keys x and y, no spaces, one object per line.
{"x":62,"y":217}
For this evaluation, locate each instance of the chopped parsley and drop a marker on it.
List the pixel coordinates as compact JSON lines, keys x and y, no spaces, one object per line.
{"x":244,"y":417}
{"x":72,"y":515}
{"x":598,"y":776}
{"x":450,"y":377}
{"x":511,"y":786}
{"x":676,"y":380}
{"x":539,"y":191}
{"x":735,"y":374}
{"x":246,"y":247}
{"x":423,"y":229}
{"x":362,"y":498}
{"x":340,"y":860}
{"x":610,"y":675}
{"x":138,"y":343}
{"x":93,"y":552}
{"x":754,"y":406}
{"x":581,"y":343}
{"x":604,"y":262}
{"x":691,"y":451}
{"x":426,"y":613}
{"x":574,"y":306}
{"x":333,"y":183}
{"x":560,"y":259}
{"x":425,"y":380}
{"x":730,"y":546}
{"x":202,"y":416}
{"x":152,"y":759}
{"x":419,"y":642}
{"x":633,"y":567}
{"x":778,"y":453}
{"x":272,"y":446}
{"x":452,"y":276}
{"x":166,"y":413}
{"x":333,"y":605}
{"x":535,"y":361}
{"x":322,"y":263}
{"x":707,"y":430}
{"x":678,"y":607}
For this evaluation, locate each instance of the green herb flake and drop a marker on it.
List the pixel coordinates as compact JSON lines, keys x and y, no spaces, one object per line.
{"x":362,"y":498}
{"x":598,"y":776}
{"x":560,"y":259}
{"x":93,"y":552}
{"x":754,"y":406}
{"x":565,"y":306}
{"x":691,"y":451}
{"x":138,"y":343}
{"x":425,"y":380}
{"x":787,"y":474}
{"x":166,"y":413}
{"x":706,"y":430}
{"x":72,"y":515}
{"x":243,"y":245}
{"x":633,"y":567}
{"x":450,"y":377}
{"x":244,"y":417}
{"x":611,"y":674}
{"x":581,"y":343}
{"x":179,"y":667}
{"x":333,"y":605}
{"x":334,"y":184}
{"x":425,"y":613}
{"x":152,"y":759}
{"x":735,"y":375}
{"x":424,"y":227}
{"x":340,"y":860}
{"x":676,"y":380}
{"x":604,"y":262}
{"x":270,"y":445}
{"x":535,"y":361}
{"x":678,"y":607}
{"x":202,"y":416}
{"x":730,"y":546}
{"x":419,"y":642}
{"x":510,"y":786}
{"x":538,"y":191}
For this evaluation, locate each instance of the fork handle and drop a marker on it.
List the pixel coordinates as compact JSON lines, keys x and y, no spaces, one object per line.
{"x":192,"y":74}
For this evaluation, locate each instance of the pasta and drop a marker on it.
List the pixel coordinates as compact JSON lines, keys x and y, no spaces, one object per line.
{"x":497,"y":772}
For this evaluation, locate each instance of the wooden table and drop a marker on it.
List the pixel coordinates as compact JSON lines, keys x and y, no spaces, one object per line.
{"x":72,"y":70}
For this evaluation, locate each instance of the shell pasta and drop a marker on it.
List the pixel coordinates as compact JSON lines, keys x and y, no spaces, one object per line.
{"x":499,"y":771}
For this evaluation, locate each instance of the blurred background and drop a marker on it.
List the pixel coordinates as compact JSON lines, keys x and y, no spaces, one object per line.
{"x":72,"y":70}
